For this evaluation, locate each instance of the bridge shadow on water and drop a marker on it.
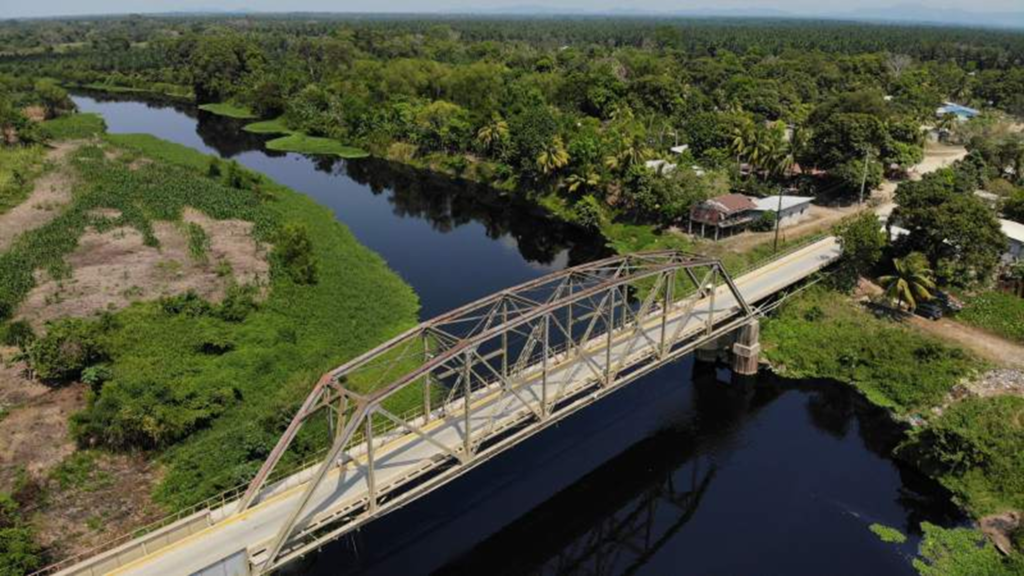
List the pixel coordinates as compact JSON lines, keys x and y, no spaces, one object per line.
{"x":684,"y":471}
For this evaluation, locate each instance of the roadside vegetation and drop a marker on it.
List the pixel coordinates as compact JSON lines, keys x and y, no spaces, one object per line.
{"x":822,"y":335}
{"x":997,"y":312}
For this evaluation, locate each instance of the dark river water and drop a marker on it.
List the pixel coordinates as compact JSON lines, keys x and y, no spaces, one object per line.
{"x":685,"y":471}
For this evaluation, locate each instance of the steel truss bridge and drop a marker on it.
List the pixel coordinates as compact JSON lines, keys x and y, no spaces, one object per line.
{"x":440,"y":399}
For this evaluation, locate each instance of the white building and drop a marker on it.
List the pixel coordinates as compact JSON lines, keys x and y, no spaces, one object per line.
{"x":793,"y":210}
{"x":1015,"y":232}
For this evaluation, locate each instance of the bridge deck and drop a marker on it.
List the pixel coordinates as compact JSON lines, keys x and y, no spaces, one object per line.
{"x":409,"y":456}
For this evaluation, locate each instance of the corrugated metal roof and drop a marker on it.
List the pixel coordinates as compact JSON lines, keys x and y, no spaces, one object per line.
{"x":730,"y":203}
{"x":772,"y":202}
{"x":1013,"y":230}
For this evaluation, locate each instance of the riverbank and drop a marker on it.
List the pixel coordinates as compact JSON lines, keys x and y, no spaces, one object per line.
{"x":199,"y":332}
{"x":973,"y":445}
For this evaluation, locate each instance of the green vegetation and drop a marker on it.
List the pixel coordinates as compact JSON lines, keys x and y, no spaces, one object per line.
{"x":275,"y":126}
{"x":573,"y":108}
{"x":198,"y":242}
{"x":19,"y":554}
{"x":997,"y":312}
{"x":207,"y":386}
{"x":18,"y":168}
{"x":975,"y":449}
{"x":823,"y":335}
{"x":910,"y":282}
{"x":73,"y":127}
{"x":229,"y":109}
{"x":888,"y":534}
{"x":314,"y":145}
{"x":962,"y":552}
{"x":79,"y":471}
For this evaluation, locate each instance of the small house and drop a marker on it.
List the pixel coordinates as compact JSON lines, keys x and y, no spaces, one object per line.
{"x":723,"y":213}
{"x":1015,"y":232}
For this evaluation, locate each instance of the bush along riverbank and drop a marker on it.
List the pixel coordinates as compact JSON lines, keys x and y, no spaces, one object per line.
{"x":973,"y":447}
{"x":197,"y":301}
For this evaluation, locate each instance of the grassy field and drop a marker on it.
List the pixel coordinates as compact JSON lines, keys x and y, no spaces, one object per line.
{"x":824,"y":335}
{"x":315,"y":145}
{"x":209,"y":388}
{"x":275,"y":126}
{"x":74,"y":127}
{"x":997,"y":312}
{"x":228,"y":109}
{"x":160,"y":89}
{"x":18,"y":167}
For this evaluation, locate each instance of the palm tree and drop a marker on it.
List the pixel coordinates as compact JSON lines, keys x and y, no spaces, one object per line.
{"x":582,"y":182}
{"x":910,"y":282}
{"x":631,"y":152}
{"x":493,"y":134}
{"x":553,"y":156}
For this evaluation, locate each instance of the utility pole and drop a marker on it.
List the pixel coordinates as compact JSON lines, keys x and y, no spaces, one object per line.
{"x":864,"y":180}
{"x":778,"y":222}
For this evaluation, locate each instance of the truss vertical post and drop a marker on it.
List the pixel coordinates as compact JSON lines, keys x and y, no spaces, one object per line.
{"x":711,"y":302}
{"x":426,"y":379}
{"x":544,"y":369}
{"x":371,"y":478}
{"x":610,"y":325}
{"x":504,"y":338}
{"x":666,"y":307}
{"x":467,"y":391}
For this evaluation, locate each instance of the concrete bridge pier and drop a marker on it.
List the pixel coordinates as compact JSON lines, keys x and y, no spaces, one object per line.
{"x":746,"y":351}
{"x":711,"y":350}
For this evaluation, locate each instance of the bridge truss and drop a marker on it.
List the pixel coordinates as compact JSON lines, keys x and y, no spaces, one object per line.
{"x":475,"y":381}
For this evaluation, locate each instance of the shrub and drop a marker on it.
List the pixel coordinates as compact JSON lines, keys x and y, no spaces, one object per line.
{"x":765,"y":223}
{"x":294,"y":250}
{"x":198,"y":242}
{"x":238,"y":303}
{"x":18,"y":333}
{"x":19,"y":554}
{"x":976,"y":450}
{"x":69,"y":346}
{"x":587,"y":213}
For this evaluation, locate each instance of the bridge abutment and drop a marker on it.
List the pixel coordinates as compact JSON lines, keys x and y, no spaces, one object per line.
{"x":746,"y":351}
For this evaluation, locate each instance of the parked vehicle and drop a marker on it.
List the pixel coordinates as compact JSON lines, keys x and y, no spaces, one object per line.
{"x":948,"y":301}
{"x":930,"y":310}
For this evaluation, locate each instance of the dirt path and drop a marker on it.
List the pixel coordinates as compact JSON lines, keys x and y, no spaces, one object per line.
{"x":984,"y":344}
{"x":50,"y":193}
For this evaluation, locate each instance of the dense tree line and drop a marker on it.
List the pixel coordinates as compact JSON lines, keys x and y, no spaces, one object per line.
{"x":575,"y":105}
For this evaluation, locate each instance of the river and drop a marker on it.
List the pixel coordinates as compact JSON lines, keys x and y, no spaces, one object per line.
{"x":685,"y":471}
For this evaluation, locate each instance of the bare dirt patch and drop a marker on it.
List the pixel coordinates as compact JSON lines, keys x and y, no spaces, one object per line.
{"x":50,"y":193}
{"x":112,"y":269}
{"x":111,"y":500}
{"x":999,"y":528}
{"x":34,"y":435}
{"x":34,"y":113}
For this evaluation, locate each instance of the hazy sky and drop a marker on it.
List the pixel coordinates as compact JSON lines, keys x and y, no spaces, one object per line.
{"x":20,"y":8}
